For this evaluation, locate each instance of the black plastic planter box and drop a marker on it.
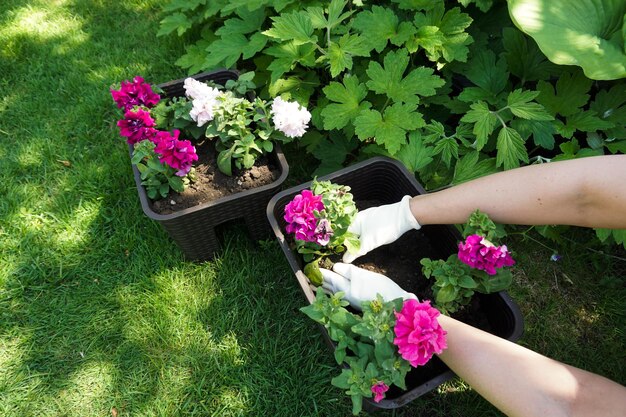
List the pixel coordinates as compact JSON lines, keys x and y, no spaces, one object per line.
{"x":193,"y":229}
{"x":387,"y":181}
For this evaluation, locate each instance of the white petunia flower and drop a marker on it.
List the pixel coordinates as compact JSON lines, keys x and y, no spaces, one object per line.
{"x":202,"y":111}
{"x":290,"y":118}
{"x":199,"y":90}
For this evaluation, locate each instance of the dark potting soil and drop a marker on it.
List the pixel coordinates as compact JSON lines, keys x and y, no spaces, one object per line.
{"x":211,"y":184}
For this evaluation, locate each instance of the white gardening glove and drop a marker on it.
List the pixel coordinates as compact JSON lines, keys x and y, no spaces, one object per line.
{"x":360,"y":285}
{"x":380,"y":225}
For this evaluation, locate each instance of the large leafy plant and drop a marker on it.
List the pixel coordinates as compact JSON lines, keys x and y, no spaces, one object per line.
{"x":450,"y":91}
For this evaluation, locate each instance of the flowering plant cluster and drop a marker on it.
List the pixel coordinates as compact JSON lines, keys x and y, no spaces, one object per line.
{"x":163,"y":160}
{"x":379,"y":347}
{"x":477,"y":267}
{"x":241,"y":127}
{"x":318,"y":219}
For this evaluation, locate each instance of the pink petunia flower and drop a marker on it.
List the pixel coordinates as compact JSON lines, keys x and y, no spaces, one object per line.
{"x":481,"y":254}
{"x":379,"y":389}
{"x":418,"y":333}
{"x":136,"y":126}
{"x":134,"y":94}
{"x":300,"y":217}
{"x":179,"y":154}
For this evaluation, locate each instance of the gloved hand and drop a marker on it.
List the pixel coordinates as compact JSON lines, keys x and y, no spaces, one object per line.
{"x":380,"y":225}
{"x":360,"y":285}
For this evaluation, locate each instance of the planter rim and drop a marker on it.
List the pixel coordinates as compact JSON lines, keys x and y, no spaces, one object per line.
{"x":145,"y":201}
{"x":206,"y":74}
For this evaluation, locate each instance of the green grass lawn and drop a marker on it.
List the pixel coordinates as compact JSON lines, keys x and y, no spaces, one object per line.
{"x":101,"y":316}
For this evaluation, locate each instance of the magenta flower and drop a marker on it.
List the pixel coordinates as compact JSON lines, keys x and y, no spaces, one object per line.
{"x":134,"y":94}
{"x":481,"y":254}
{"x":379,"y":389}
{"x":179,"y":154}
{"x":300,"y":218}
{"x":136,"y":126}
{"x":418,"y":333}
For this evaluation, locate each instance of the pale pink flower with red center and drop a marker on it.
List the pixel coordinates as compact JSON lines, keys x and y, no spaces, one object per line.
{"x":418,"y":333}
{"x":379,"y":389}
{"x":134,"y":94}
{"x":136,"y":126}
{"x":300,"y":217}
{"x":323,"y":232}
{"x":481,"y":254}
{"x":179,"y":154}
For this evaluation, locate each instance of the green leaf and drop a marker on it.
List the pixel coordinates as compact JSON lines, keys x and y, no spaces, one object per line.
{"x":469,"y":167}
{"x":415,"y":155}
{"x":448,"y":148}
{"x":567,"y":97}
{"x":493,"y":283}
{"x":414,"y":4}
{"x":287,"y":55}
{"x":467,"y":282}
{"x":524,"y":58}
{"x":587,"y":121}
{"x":486,"y":72}
{"x":347,"y":98}
{"x":390,"y":81}
{"x":224,"y":161}
{"x":609,"y":105}
{"x":177,"y":184}
{"x":542,"y":131}
{"x":194,"y":56}
{"x":606,"y":235}
{"x":483,"y":5}
{"x":177,"y":22}
{"x":227,"y":50}
{"x":590,"y":34}
{"x":442,"y":35}
{"x":340,"y":54}
{"x":381,"y":25}
{"x":294,"y":26}
{"x":446,"y":294}
{"x":519,"y":103}
{"x":388,"y":129}
{"x":333,"y":152}
{"x":484,"y":122}
{"x":511,"y":148}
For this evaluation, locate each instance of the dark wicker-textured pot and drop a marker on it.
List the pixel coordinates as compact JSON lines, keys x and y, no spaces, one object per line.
{"x":193,"y":229}
{"x":387,"y":181}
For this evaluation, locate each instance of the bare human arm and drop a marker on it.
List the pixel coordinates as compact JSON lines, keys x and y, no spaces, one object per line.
{"x":516,"y":380}
{"x":523,"y":383}
{"x":581,"y":192}
{"x":587,"y":192}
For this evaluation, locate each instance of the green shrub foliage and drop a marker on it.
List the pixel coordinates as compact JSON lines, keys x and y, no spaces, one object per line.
{"x":451,"y":91}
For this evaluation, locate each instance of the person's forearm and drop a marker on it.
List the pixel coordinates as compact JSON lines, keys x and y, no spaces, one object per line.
{"x":583,"y":192}
{"x":522,"y":383}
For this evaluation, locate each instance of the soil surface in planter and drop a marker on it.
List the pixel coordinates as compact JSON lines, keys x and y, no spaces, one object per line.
{"x":211,"y":184}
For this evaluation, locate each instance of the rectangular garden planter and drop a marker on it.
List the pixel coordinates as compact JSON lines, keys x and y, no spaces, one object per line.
{"x":193,"y":229}
{"x":387,"y":181}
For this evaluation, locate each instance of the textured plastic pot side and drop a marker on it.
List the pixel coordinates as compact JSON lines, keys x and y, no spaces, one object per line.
{"x":387,"y":181}
{"x":193,"y":229}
